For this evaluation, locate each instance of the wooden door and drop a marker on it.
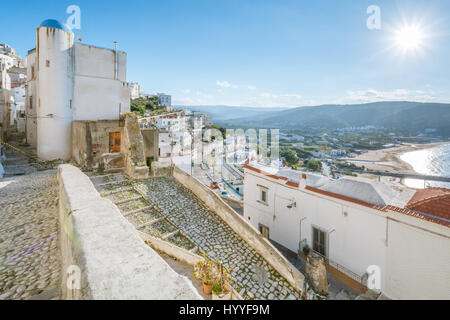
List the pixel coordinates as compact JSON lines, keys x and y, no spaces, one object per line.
{"x":114,"y":142}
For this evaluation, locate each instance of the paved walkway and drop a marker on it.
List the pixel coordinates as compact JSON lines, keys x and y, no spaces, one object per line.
{"x":164,"y":208}
{"x":29,"y":254}
{"x":253,"y":276}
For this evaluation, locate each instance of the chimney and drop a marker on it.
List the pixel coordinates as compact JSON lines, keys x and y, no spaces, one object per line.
{"x":302,"y":183}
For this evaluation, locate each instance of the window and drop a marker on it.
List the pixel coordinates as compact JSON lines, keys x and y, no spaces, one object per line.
{"x":114,"y":142}
{"x":264,"y":231}
{"x":319,"y":241}
{"x":263,"y":195}
{"x":47,"y":63}
{"x":32,"y":72}
{"x":31,"y":102}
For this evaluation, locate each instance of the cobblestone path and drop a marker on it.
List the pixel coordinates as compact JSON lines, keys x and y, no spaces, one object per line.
{"x":29,"y":254}
{"x":253,"y":276}
{"x":169,"y":208}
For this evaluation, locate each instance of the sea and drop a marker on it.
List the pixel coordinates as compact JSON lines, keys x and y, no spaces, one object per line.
{"x":434,"y":161}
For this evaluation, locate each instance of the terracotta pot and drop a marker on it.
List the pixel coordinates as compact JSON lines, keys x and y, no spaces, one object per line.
{"x":207,"y":288}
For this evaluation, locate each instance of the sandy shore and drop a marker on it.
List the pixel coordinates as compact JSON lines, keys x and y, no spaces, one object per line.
{"x":392,"y":156}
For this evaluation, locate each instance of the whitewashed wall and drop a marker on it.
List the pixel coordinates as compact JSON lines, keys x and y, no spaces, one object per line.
{"x":55,"y":93}
{"x":31,"y":94}
{"x":97,"y":94}
{"x":414,"y":264}
{"x":418,"y":260}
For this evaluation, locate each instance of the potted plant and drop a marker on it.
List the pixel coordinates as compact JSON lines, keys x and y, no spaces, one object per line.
{"x":219,"y":289}
{"x":207,"y":286}
{"x":306,"y":250}
{"x":204,"y":270}
{"x":214,"y":277}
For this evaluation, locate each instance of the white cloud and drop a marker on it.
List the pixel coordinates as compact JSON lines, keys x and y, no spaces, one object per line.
{"x":225,"y":84}
{"x":372,"y":95}
{"x":251,"y":87}
{"x":280,"y":96}
{"x":186,"y":91}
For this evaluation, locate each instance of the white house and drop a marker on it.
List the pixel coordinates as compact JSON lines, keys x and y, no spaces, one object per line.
{"x":357,"y":223}
{"x":135,"y":90}
{"x":165,"y":99}
{"x":70,"y":81}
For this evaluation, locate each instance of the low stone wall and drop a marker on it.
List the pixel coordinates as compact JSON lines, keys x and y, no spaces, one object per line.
{"x":241,"y":227}
{"x":182,"y":255}
{"x":103,"y":256}
{"x":161,"y":169}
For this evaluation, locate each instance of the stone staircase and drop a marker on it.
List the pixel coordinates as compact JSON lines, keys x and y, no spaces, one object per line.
{"x":137,"y":209}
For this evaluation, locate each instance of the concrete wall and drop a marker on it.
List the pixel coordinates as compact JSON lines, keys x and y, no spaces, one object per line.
{"x":418,"y":259}
{"x":115,"y":262}
{"x":90,"y":142}
{"x":241,"y":227}
{"x":31,"y":100}
{"x":151,"y":139}
{"x":357,"y":236}
{"x":54,"y":61}
{"x":182,"y":255}
{"x":133,"y":146}
{"x":5,"y":113}
{"x":99,"y":94}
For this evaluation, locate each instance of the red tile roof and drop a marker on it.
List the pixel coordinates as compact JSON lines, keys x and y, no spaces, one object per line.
{"x":423,"y":205}
{"x":435,"y":201}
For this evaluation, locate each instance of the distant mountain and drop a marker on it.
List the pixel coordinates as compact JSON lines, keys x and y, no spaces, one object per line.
{"x":408,"y":117}
{"x":227,"y":113}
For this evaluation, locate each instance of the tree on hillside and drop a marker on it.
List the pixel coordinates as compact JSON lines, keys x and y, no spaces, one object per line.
{"x":313,"y":165}
{"x":290,"y":156}
{"x":143,"y":105}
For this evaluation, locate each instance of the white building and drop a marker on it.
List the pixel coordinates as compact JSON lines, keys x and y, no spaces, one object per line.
{"x":70,"y":81}
{"x":357,"y":223}
{"x":165,"y":99}
{"x":6,"y":49}
{"x":135,"y":89}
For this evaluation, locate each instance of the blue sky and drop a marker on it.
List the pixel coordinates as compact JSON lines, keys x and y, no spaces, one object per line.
{"x":260,"y":53}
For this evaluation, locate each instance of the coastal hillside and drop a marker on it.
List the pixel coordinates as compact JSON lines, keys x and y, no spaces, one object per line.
{"x":406,"y":117}
{"x":227,"y":113}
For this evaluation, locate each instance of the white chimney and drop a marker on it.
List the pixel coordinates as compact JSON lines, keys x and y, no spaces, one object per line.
{"x":302,"y":183}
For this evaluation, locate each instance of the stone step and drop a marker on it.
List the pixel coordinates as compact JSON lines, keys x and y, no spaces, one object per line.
{"x":127,"y":200}
{"x":136,"y":211}
{"x":14,"y":166}
{"x":8,"y":174}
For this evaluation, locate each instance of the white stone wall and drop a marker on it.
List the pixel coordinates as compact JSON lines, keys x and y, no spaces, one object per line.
{"x":54,"y":93}
{"x":99,"y":93}
{"x":71,"y":82}
{"x":114,"y":261}
{"x":418,"y":259}
{"x":31,"y":100}
{"x":358,"y":236}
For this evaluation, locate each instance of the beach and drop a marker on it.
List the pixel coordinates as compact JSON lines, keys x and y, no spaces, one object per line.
{"x":390,"y":157}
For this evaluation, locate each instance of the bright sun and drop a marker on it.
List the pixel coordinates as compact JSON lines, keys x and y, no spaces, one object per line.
{"x":409,"y":38}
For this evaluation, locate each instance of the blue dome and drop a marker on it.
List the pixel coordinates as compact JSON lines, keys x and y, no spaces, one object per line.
{"x":52,"y":23}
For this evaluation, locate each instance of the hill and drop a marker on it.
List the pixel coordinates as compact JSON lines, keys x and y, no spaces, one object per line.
{"x":407,"y":117}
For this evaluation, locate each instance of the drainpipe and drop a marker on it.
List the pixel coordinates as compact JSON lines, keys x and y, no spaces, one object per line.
{"x":115,"y":60}
{"x":300,"y":234}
